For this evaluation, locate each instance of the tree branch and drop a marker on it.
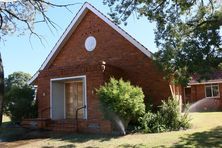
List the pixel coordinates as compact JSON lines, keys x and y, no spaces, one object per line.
{"x":10,"y":12}
{"x":1,"y":21}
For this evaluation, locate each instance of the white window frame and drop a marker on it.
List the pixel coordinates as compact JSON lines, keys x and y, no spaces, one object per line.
{"x":211,"y":87}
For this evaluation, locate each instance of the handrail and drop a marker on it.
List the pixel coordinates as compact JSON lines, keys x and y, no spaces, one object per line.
{"x":77,"y":110}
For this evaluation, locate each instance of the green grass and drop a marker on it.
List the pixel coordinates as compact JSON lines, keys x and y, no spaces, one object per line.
{"x":206,"y":131}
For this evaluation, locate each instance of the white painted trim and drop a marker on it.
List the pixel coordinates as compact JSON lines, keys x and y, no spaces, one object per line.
{"x":75,"y":22}
{"x":33,"y":78}
{"x":85,"y":99}
{"x":67,"y":78}
{"x":83,"y":77}
{"x":212,"y":90}
{"x":50,"y":99}
{"x":73,"y":25}
{"x":214,"y":82}
{"x":64,"y":100}
{"x":119,"y":30}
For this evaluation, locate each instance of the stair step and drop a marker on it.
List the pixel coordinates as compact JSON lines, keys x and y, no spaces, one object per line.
{"x":61,"y":129}
{"x":62,"y":125}
{"x":54,"y":126}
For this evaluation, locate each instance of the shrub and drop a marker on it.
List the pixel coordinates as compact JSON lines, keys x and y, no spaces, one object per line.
{"x":122,"y":98}
{"x":168,"y":118}
{"x":151,"y":123}
{"x":173,"y":118}
{"x":170,"y":112}
{"x":185,"y":121}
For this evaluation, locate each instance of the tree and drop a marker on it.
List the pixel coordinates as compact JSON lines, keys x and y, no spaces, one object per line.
{"x":187,"y":34}
{"x":1,"y":88}
{"x":19,"y":17}
{"x":19,"y":100}
{"x":17,"y":79}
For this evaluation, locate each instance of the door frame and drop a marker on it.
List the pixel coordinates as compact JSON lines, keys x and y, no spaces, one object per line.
{"x":184,"y":94}
{"x":83,"y":77}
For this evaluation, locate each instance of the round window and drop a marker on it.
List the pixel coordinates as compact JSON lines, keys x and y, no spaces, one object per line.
{"x":90,"y":43}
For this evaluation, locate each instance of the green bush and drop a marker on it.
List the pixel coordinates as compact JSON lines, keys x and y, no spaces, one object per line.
{"x":173,"y":118}
{"x":122,"y":98}
{"x":168,"y":118}
{"x":151,"y":123}
{"x":19,"y":100}
{"x":170,"y":112}
{"x":185,"y":121}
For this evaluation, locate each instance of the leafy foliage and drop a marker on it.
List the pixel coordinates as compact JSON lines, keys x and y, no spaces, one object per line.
{"x":152,"y":123}
{"x":170,"y":112}
{"x":122,"y":98}
{"x":168,"y":118}
{"x":17,"y":79}
{"x":19,"y":97}
{"x":187,"y":33}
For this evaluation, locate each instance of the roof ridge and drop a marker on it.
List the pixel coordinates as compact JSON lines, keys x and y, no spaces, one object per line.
{"x":119,"y":27}
{"x":75,"y":22}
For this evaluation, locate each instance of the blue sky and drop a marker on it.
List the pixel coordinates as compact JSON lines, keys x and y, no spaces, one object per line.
{"x":20,"y":55}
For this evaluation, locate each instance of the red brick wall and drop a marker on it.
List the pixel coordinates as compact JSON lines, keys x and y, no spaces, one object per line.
{"x":116,"y":51}
{"x":112,"y":48}
{"x":211,"y":104}
{"x":198,"y":91}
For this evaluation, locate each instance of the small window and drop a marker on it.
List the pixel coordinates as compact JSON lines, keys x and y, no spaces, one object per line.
{"x":212,"y":90}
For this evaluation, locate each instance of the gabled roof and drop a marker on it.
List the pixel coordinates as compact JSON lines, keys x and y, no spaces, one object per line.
{"x":73,"y":25}
{"x":215,"y":77}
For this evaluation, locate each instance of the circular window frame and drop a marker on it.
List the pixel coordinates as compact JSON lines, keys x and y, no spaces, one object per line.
{"x":90,"y":43}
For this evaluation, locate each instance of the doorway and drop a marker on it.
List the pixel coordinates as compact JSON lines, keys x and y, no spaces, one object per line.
{"x":66,"y":95}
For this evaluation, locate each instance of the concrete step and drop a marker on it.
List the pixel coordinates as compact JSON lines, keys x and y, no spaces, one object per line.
{"x":62,"y":125}
{"x":65,"y":129}
{"x":65,"y":126}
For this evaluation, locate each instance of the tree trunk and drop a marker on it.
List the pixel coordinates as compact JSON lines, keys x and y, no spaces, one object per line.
{"x":1,"y":89}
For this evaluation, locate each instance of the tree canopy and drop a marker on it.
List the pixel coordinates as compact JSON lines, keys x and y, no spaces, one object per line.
{"x":18,"y":79}
{"x":187,"y":33}
{"x":19,"y":100}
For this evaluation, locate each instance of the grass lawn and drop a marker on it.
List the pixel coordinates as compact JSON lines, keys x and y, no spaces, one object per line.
{"x":205,"y":132}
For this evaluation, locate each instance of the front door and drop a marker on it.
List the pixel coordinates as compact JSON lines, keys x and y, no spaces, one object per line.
{"x":74,"y":98}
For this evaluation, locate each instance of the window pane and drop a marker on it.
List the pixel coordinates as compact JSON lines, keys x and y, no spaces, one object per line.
{"x":208,"y":91}
{"x":215,"y":90}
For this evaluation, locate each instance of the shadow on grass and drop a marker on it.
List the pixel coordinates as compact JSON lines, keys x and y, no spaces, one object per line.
{"x":202,"y":139}
{"x":21,"y":136}
{"x":64,"y":146}
{"x":10,"y":133}
{"x":81,"y":138}
{"x":132,"y":146}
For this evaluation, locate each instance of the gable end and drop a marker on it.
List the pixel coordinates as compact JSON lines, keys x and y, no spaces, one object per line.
{"x":71,"y":28}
